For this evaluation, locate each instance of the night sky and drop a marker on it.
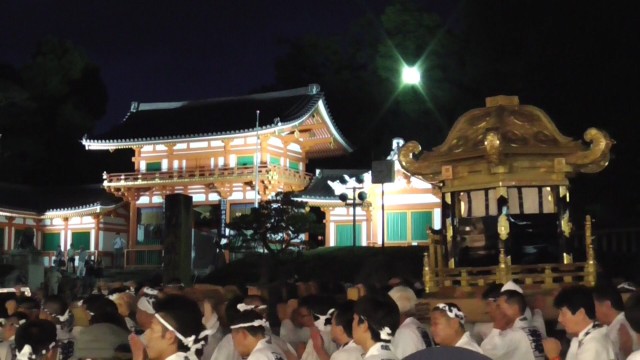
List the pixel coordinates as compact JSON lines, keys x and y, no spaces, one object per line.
{"x":175,"y":50}
{"x":158,"y":50}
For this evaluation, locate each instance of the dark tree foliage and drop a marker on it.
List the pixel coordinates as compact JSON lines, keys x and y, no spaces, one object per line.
{"x":45,"y":108}
{"x":274,"y":226}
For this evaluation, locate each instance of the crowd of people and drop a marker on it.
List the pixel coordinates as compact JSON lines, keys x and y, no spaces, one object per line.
{"x":132,"y":321}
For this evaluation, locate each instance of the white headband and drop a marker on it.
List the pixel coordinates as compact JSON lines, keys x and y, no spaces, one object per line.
{"x":385,"y":332}
{"x":27,"y":352}
{"x":149,"y":291}
{"x":322,"y":319}
{"x":189,"y":341}
{"x":145,"y":304}
{"x":64,"y":317}
{"x":242,"y":307}
{"x":452,"y":312}
{"x":259,"y":322}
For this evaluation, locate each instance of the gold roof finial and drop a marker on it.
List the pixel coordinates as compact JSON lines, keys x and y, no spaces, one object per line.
{"x":502,"y":100}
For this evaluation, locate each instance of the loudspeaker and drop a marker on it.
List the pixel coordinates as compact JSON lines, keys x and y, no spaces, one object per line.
{"x":177,"y":238}
{"x":383,"y":171}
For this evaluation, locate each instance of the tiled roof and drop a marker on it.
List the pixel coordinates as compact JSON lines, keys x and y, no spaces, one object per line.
{"x":153,"y":122}
{"x":319,"y":189}
{"x":39,"y":201}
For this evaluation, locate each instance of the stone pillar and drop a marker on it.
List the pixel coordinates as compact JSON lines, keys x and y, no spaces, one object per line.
{"x":178,"y":238}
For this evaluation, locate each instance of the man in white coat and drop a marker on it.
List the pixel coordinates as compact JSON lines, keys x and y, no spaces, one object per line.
{"x":512,"y":337}
{"x":610,"y":312}
{"x":577,"y":315}
{"x":447,"y":327}
{"x":534,"y":317}
{"x":341,"y":334}
{"x":411,"y":336}
{"x":249,"y":337}
{"x":632,"y":314}
{"x":375,"y":320}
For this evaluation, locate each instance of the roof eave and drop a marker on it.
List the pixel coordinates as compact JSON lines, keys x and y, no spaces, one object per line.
{"x":94,"y":144}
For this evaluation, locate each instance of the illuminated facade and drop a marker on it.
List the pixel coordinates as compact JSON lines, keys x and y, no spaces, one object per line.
{"x":411,"y":206}
{"x":183,"y":147}
{"x":85,"y":216}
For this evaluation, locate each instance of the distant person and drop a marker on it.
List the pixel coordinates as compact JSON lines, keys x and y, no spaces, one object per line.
{"x":82,"y":258}
{"x":59,"y":259}
{"x":119,"y":244}
{"x":71,"y":258}
{"x":53,"y":280}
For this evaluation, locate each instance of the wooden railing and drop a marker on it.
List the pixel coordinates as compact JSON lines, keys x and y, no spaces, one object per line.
{"x":143,"y":257}
{"x":205,"y":173}
{"x":541,"y":274}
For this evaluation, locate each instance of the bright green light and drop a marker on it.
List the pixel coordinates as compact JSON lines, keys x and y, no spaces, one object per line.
{"x":410,"y":75}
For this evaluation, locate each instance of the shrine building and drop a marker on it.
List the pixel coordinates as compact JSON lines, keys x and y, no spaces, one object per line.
{"x":210,"y":150}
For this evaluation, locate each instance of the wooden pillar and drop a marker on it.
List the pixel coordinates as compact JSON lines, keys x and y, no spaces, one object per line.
{"x":136,"y":159}
{"x":66,"y":242}
{"x":170,"y":156}
{"x":449,"y":215}
{"x":327,"y":227}
{"x":96,"y":231}
{"x":263,"y":149}
{"x":227,"y":152}
{"x":10,"y":220}
{"x":37,"y":241}
{"x":285,"y":154}
{"x":368,"y":222}
{"x":133,"y":223}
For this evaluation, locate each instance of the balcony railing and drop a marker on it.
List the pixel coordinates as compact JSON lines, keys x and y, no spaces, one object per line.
{"x":143,"y":257}
{"x":205,"y":174}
